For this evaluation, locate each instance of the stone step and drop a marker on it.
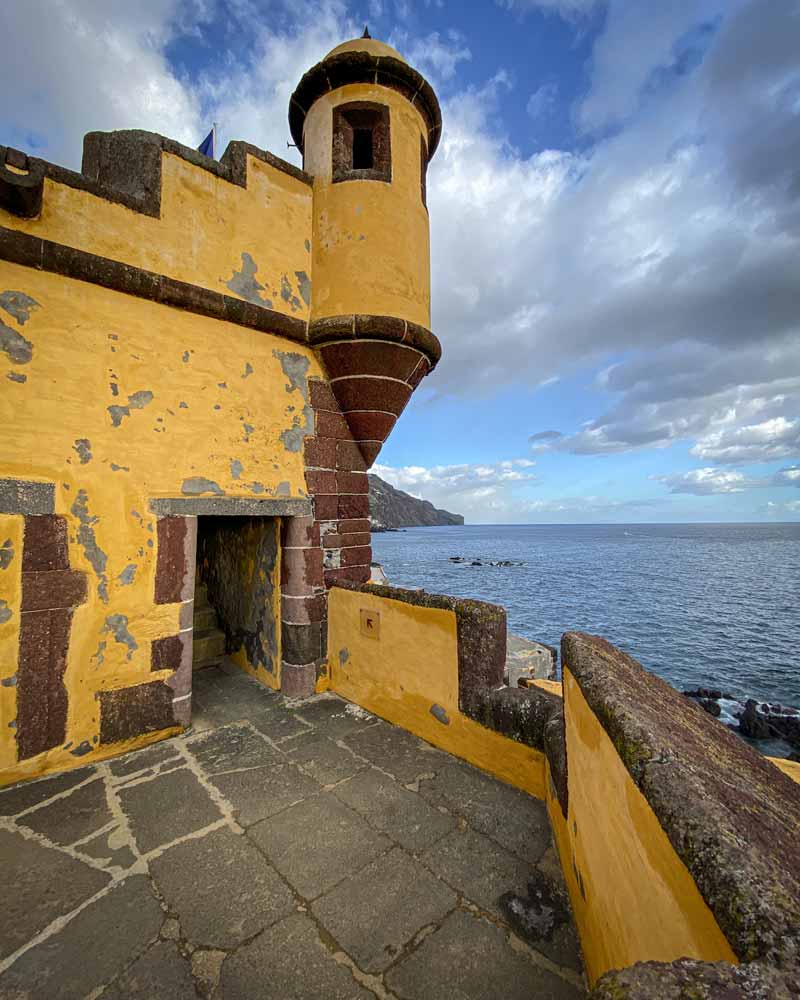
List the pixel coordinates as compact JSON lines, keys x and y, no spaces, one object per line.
{"x":200,"y":596}
{"x":204,"y":619}
{"x":207,"y":645}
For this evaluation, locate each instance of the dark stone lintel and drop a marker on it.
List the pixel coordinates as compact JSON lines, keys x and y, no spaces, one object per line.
{"x":229,"y":506}
{"x":19,"y":496}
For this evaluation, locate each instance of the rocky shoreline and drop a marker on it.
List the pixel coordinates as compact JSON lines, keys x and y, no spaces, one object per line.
{"x":753,"y":719}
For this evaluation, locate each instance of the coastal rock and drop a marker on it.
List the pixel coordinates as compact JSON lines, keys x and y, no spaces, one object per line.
{"x":464,"y":561}
{"x":764,"y":722}
{"x":391,"y":508}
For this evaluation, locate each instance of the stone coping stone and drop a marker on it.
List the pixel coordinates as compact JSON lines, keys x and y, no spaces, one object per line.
{"x":732,"y":817}
{"x":229,"y":507}
{"x":687,"y":979}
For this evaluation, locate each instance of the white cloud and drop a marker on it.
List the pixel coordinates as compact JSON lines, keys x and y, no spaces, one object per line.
{"x":458,"y":479}
{"x":435,"y":56}
{"x":771,"y":439}
{"x":704,"y":482}
{"x":542,"y":101}
{"x":775,"y":508}
{"x":569,"y":9}
{"x":74,"y":67}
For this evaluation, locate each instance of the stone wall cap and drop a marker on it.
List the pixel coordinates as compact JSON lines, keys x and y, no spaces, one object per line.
{"x":731,"y":816}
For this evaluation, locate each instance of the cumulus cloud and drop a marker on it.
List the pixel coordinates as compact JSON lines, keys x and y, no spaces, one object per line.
{"x":704,"y":482}
{"x":73,"y":67}
{"x":542,"y":101}
{"x":670,"y":243}
{"x":435,"y":55}
{"x":570,"y":9}
{"x":710,"y":480}
{"x":498,"y":492}
{"x":470,"y":479}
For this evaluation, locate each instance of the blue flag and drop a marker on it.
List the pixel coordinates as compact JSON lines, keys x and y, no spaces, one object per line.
{"x":206,"y":147}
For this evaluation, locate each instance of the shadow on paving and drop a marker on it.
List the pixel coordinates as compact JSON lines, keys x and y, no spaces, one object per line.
{"x":286,"y":850}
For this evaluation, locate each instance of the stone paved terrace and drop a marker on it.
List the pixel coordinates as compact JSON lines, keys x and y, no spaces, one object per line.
{"x":280,"y":851}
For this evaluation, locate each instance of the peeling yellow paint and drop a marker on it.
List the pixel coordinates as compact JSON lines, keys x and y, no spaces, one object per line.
{"x":86,"y":340}
{"x":206,"y":225}
{"x":409,"y":669}
{"x":371,"y":239}
{"x":632,"y":896}
{"x":60,"y":759}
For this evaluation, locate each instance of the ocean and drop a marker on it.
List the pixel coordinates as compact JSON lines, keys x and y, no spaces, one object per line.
{"x":702,"y":605}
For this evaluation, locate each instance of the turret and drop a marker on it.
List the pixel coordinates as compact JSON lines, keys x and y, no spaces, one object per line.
{"x":367,"y":124}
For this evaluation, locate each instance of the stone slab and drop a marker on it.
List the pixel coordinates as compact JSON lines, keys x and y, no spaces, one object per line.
{"x":46,"y":884}
{"x":397,"y":752}
{"x":143,"y":760}
{"x":92,"y":949}
{"x":322,"y":759}
{"x":470,"y":958}
{"x":24,"y":796}
{"x":403,"y":815}
{"x":376,"y":913}
{"x":317,"y":843}
{"x":279,"y":724}
{"x":262,"y":792}
{"x":232,"y":748}
{"x":478,"y":868}
{"x":288,"y":962}
{"x":75,"y":817}
{"x":221,"y":889}
{"x":110,"y":849}
{"x":336,"y":717}
{"x":161,"y":972}
{"x":515,"y":820}
{"x":166,"y":808}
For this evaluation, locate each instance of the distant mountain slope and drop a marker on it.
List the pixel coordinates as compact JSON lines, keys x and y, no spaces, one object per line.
{"x":391,"y":508}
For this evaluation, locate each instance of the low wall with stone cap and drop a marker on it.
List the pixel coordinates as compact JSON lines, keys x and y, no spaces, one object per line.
{"x":434,"y":665}
{"x":677,"y":839}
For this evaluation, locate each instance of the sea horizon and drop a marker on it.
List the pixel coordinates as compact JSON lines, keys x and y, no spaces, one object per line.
{"x":701,"y":604}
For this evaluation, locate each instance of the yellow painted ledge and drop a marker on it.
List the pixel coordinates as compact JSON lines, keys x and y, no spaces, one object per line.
{"x":633,"y":898}
{"x":59,"y":759}
{"x":790,"y":767}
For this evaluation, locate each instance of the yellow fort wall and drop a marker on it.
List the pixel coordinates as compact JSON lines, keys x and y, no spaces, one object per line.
{"x":410,"y":668}
{"x":371,"y":239}
{"x":633,"y":898}
{"x":207,"y":223}
{"x":200,"y":395}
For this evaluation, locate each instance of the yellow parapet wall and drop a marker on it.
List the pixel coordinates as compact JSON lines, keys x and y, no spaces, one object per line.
{"x":633,"y":898}
{"x":404,"y":668}
{"x":249,"y":242}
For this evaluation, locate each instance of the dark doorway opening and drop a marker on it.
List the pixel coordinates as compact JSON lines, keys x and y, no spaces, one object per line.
{"x":237,"y":591}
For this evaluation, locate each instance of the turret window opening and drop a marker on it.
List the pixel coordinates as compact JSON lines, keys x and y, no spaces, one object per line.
{"x":362,"y":142}
{"x":362,"y":149}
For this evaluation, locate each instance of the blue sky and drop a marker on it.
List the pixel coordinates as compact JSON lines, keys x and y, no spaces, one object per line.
{"x":615,"y":213}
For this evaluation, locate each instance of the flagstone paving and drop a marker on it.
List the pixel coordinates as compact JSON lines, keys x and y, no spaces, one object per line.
{"x":281,"y":850}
